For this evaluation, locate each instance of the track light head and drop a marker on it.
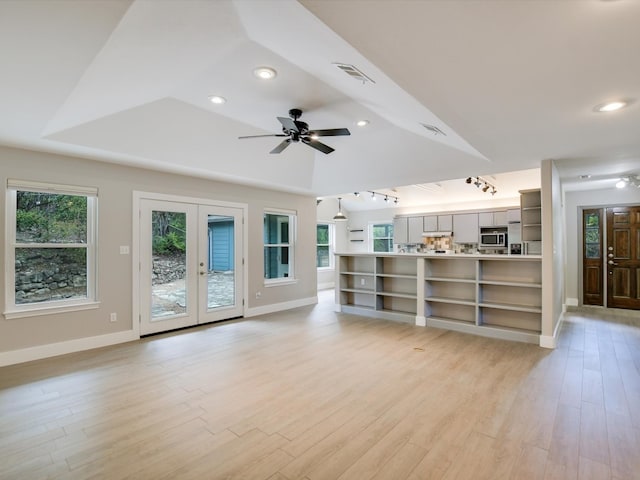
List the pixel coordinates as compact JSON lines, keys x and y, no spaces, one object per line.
{"x":469,"y":180}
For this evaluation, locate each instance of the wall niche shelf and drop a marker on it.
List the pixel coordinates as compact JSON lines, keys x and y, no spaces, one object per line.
{"x":491,"y":295}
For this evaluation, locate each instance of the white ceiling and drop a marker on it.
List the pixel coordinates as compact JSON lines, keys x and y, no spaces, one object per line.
{"x":510,"y":83}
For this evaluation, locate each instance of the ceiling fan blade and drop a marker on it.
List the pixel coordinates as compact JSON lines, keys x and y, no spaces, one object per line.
{"x":269,"y":135}
{"x":331,"y":132}
{"x":281,"y":146}
{"x":317,"y":145}
{"x":288,"y":124}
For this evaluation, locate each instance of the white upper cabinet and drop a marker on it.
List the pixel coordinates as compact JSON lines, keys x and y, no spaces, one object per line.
{"x":415,"y":230}
{"x":493,"y":219}
{"x":465,"y":228}
{"x":400,"y":230}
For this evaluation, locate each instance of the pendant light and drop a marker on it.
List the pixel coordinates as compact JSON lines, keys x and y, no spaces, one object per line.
{"x":339,"y":217}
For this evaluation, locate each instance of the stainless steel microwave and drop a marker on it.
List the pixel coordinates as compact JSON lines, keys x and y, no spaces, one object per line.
{"x":493,"y":240}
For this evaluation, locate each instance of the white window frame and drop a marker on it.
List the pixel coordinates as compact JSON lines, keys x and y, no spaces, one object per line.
{"x":12,"y":310}
{"x":331,"y":235}
{"x":370,"y":235}
{"x":293,"y":218}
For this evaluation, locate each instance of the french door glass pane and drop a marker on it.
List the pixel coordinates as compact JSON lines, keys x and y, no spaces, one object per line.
{"x":168,"y":291}
{"x":221,"y":263}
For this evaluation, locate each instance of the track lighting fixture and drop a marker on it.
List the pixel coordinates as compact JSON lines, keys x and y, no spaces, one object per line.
{"x":386,"y":197}
{"x":357,"y":194}
{"x":479,"y":182}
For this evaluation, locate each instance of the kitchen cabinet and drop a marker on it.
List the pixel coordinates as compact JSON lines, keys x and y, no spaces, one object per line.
{"x":430,"y":223}
{"x":493,"y":219}
{"x":438,"y":223}
{"x":401,"y":230}
{"x":407,"y":230}
{"x":465,"y":228}
{"x":415,"y":230}
{"x":513,"y":215}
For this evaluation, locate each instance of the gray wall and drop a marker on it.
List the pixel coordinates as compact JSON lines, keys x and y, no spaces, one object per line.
{"x":116,"y":184}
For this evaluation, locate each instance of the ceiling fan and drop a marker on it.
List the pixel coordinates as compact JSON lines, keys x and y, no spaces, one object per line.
{"x":298,"y":131}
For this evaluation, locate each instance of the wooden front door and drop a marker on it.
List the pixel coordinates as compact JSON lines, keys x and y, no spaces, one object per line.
{"x":592,"y":264}
{"x":623,"y":257}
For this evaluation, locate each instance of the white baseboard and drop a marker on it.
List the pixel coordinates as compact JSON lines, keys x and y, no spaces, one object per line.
{"x":551,"y":341}
{"x":61,"y":348}
{"x":326,"y":285}
{"x":572,"y":302}
{"x":278,"y":307}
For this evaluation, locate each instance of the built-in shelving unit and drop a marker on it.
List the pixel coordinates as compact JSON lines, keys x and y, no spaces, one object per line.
{"x":531,"y":215}
{"x":492,"y":295}
{"x":384,"y":287}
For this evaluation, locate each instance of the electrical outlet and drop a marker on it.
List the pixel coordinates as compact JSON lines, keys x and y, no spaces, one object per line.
{"x":258,"y":294}
{"x":124,"y":249}
{"x":363,"y":282}
{"x":113,"y":317}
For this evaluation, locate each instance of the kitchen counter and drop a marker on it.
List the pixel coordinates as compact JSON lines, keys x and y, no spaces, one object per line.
{"x":446,"y":255}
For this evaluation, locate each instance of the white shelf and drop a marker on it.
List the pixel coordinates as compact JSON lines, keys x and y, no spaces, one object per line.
{"x":394,"y":275}
{"x":397,"y":294}
{"x":357,"y":290}
{"x":454,"y":301}
{"x":510,"y":284}
{"x":512,"y":307}
{"x":450,"y":279}
{"x":364,"y":274}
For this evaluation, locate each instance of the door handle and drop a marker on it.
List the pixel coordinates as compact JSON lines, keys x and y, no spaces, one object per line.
{"x":611,"y":262}
{"x":202,"y":273}
{"x":610,"y":255}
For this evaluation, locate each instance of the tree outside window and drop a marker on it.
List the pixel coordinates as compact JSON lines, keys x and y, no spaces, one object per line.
{"x":382,"y":237}
{"x":324,"y":259}
{"x":53,"y":255}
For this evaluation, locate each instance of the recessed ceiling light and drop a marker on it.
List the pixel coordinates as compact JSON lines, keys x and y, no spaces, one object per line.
{"x":621,"y":183}
{"x":265,"y":73}
{"x":610,"y":106}
{"x":362,"y":123}
{"x":217,"y":99}
{"x":585,"y":176}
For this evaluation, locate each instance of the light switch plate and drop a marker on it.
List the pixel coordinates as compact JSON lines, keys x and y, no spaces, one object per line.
{"x":124,"y":249}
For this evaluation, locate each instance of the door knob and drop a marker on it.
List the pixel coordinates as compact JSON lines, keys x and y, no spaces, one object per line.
{"x":611,"y":262}
{"x":610,"y":248}
{"x":610,"y":255}
{"x":202,"y":273}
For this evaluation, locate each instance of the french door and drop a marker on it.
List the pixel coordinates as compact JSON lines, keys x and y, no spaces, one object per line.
{"x":190,"y":264}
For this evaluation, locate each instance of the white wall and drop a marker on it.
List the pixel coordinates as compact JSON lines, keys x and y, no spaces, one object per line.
{"x":116,"y":184}
{"x":326,"y":210}
{"x":553,"y":252}
{"x":574,"y":203}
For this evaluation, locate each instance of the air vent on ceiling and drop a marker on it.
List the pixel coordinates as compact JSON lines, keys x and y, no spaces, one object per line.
{"x":354,"y":72}
{"x":433,"y":129}
{"x":429,"y":187}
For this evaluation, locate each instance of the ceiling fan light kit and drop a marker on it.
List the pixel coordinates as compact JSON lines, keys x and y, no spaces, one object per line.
{"x":298,"y":131}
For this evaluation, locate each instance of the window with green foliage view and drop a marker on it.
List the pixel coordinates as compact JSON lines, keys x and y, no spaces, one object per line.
{"x":53,"y":248}
{"x":382,"y":237}
{"x":324,"y":258}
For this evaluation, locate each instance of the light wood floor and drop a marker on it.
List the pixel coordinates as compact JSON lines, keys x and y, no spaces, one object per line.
{"x":310,"y":394}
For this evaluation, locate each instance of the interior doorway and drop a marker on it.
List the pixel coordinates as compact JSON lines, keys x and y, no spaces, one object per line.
{"x":190,"y":264}
{"x":611,"y":257}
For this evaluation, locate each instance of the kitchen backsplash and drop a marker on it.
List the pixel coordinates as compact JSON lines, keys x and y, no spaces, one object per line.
{"x":437,"y":243}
